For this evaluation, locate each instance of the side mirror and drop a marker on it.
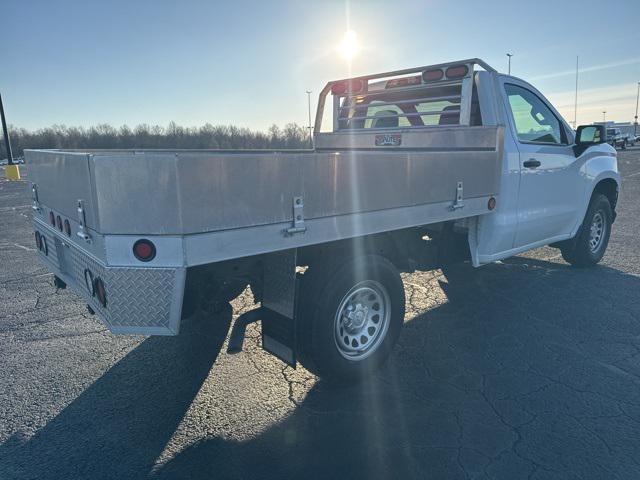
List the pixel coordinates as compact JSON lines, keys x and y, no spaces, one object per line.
{"x":587,"y":135}
{"x":590,"y":134}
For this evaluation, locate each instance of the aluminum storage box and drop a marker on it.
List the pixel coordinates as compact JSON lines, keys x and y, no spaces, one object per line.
{"x":195,"y":191}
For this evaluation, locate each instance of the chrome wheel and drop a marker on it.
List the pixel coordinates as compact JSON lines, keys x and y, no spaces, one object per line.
{"x":362,"y":320}
{"x":597,"y":231}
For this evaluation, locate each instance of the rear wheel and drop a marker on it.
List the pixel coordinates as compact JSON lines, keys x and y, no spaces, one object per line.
{"x":350,"y":315}
{"x":589,"y":246}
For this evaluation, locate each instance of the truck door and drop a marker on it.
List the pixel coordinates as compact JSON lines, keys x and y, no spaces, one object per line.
{"x":551,"y":184}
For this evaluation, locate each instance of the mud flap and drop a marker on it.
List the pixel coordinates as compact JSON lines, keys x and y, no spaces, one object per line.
{"x":278,"y":336}
{"x":279,"y":305}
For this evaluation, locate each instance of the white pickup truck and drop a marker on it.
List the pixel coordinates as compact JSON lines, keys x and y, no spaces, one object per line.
{"x":410,"y":169}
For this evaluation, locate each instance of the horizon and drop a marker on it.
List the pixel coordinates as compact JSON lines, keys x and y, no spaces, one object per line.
{"x":159,"y":62}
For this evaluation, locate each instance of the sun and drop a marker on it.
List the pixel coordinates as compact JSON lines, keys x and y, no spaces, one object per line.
{"x":349,"y":45}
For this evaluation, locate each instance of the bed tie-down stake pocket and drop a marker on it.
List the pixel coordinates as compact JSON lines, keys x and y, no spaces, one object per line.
{"x":298,"y":218}
{"x":34,"y":197}
{"x":458,"y":203}
{"x":82,"y":222}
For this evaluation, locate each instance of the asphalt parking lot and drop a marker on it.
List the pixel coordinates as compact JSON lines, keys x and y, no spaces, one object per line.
{"x":522,"y":369}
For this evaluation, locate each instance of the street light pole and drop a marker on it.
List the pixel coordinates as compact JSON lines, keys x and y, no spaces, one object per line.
{"x":635,"y":125}
{"x":575,"y":106}
{"x":604,"y":116}
{"x":7,"y":143}
{"x":509,"y":55}
{"x":309,"y":110}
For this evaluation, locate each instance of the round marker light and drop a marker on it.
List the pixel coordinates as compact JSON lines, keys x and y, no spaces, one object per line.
{"x":59,"y":222}
{"x":432,"y":75}
{"x":67,"y":227}
{"x":491,"y":204}
{"x":457,"y":71}
{"x":356,"y":86}
{"x":351,"y":86}
{"x":338,"y":88}
{"x":144,"y":250}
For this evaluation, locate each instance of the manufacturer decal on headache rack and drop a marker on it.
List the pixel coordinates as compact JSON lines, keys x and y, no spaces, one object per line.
{"x":388,"y":140}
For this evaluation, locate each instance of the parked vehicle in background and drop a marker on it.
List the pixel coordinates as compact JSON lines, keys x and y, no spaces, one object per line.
{"x":416,"y":169}
{"x":16,"y":161}
{"x":629,"y":139}
{"x":615,"y":138}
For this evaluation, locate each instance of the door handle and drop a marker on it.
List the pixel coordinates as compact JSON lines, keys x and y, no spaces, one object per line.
{"x":532,"y":163}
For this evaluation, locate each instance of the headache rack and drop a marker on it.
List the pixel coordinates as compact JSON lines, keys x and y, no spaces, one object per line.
{"x":434,"y":95}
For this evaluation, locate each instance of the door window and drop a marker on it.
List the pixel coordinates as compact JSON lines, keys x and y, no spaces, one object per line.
{"x":534,"y":120}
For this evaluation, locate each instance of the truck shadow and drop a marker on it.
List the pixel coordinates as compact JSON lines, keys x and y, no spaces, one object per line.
{"x":411,"y":421}
{"x":119,"y":425}
{"x":426,"y":415}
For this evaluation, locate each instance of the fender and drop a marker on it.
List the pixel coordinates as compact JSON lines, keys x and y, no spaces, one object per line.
{"x":600,"y":164}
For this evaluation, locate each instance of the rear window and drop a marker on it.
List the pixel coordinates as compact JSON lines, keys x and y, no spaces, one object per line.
{"x":415,"y":107}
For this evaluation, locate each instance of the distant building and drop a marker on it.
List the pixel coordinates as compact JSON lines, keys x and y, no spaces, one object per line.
{"x":627,"y":128}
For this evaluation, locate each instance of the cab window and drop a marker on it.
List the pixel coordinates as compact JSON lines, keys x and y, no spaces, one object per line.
{"x":414,"y":107}
{"x":533,"y":119}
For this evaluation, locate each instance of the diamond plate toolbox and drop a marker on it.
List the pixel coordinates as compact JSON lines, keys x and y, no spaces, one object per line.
{"x":146,"y":301}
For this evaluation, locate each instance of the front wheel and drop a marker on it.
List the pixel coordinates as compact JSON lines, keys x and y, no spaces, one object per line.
{"x":588,"y":247}
{"x":351,"y":314}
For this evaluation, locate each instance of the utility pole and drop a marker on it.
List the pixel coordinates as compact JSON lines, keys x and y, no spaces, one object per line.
{"x":309,"y":110}
{"x":635,"y":125}
{"x":575,"y":107}
{"x":509,"y":55}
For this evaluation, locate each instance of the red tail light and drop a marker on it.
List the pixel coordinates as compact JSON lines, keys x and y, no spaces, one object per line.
{"x":457,"y":71}
{"x":100,"y":291}
{"x":89,"y":283}
{"x":144,"y":250}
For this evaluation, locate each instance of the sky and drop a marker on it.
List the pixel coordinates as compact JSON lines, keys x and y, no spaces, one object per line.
{"x":249,"y":63}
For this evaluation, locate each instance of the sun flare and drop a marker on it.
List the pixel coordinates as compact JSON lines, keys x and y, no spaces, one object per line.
{"x":348,"y":47}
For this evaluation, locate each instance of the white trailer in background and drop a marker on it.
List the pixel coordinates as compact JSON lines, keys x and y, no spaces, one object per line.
{"x":418,"y":168}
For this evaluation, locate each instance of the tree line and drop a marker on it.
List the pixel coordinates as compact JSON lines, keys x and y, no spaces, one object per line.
{"x":142,"y":136}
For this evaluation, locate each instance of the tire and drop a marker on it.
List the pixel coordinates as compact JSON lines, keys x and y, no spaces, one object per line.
{"x":589,"y":246}
{"x":340,"y":348}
